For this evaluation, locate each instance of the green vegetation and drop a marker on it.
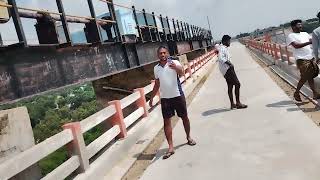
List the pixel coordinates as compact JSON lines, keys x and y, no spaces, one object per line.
{"x":49,"y":112}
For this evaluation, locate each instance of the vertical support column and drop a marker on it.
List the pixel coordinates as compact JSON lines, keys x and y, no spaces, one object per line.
{"x":189,"y":70}
{"x":77,"y":146}
{"x":93,"y":15}
{"x":157,"y":28}
{"x":194,"y":66}
{"x":117,"y":119}
{"x":115,"y":25}
{"x":1,"y":41}
{"x":64,"y":22}
{"x":280,"y":50}
{"x":180,"y":31}
{"x":183,"y":32}
{"x":175,"y":31}
{"x":169,"y":28}
{"x":17,"y":22}
{"x":141,"y":102}
{"x":288,"y":55}
{"x":158,"y":93}
{"x":137,"y":24}
{"x":164,"y":29}
{"x":147,"y":24}
{"x":187,"y":31}
{"x":275,"y":51}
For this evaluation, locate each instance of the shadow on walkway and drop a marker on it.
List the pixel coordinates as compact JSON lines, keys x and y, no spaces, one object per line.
{"x":215,"y":111}
{"x":291,"y":106}
{"x":157,"y":155}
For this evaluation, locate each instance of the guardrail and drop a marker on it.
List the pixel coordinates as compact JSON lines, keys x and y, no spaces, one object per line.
{"x":72,"y":135}
{"x":277,"y":51}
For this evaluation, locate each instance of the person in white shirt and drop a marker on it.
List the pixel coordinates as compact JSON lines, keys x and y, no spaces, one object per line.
{"x":301,"y":43}
{"x":316,"y":41}
{"x":172,"y":97}
{"x":227,"y":70}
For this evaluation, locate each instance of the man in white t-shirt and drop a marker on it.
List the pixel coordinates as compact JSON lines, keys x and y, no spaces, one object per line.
{"x":301,"y":43}
{"x":227,"y":70}
{"x":172,"y":97}
{"x":316,"y":41}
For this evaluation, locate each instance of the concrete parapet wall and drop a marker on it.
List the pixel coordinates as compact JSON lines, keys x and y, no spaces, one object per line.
{"x":286,"y":69}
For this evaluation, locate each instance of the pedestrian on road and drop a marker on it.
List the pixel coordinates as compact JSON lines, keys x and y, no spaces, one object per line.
{"x":166,"y":74}
{"x":316,"y":42}
{"x":227,"y":70}
{"x":301,"y":43}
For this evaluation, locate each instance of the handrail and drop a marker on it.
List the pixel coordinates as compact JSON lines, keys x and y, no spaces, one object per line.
{"x":272,"y":49}
{"x":22,"y":161}
{"x":29,"y":157}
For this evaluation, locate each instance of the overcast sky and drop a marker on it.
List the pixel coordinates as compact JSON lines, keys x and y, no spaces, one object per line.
{"x":226,"y":16}
{"x":233,"y":16}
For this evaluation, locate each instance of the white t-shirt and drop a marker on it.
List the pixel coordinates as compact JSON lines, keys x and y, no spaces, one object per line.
{"x":170,"y":85}
{"x":223,"y":57}
{"x":301,"y":53}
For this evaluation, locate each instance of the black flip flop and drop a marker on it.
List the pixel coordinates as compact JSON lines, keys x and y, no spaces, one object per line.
{"x":191,"y":142}
{"x":168,"y":154}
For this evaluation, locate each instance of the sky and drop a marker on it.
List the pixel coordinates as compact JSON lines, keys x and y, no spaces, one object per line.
{"x":233,"y":16}
{"x":225,"y":16}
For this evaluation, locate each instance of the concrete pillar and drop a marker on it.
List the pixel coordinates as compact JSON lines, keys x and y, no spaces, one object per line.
{"x":118,"y":118}
{"x":77,"y":145}
{"x":141,"y":102}
{"x":16,"y":136}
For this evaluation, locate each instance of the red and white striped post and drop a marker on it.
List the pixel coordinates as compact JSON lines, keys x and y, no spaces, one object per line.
{"x":141,"y":102}
{"x":117,"y":118}
{"x":77,"y":145}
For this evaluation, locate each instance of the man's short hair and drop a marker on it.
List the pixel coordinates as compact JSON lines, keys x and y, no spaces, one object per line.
{"x":295,"y":22}
{"x":226,"y":38}
{"x":318,"y":15}
{"x":161,"y":47}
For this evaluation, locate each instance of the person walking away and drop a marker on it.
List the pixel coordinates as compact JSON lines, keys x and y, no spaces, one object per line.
{"x":227,"y":70}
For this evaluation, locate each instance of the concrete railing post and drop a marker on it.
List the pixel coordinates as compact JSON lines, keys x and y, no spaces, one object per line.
{"x":77,"y":145}
{"x":141,"y":102}
{"x":158,"y":93}
{"x":189,"y":70}
{"x":288,"y":55}
{"x":281,"y":53}
{"x":275,"y":51}
{"x":194,"y":66}
{"x":117,"y":118}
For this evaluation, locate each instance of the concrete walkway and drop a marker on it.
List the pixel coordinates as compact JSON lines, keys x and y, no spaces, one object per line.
{"x":271,"y":140}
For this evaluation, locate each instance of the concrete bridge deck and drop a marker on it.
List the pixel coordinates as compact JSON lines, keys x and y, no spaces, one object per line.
{"x":272,"y":139}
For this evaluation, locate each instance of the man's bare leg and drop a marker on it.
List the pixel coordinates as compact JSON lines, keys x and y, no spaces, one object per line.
{"x":297,"y":97}
{"x":239,"y":105}
{"x":313,"y":88}
{"x":168,"y":133}
{"x":230,"y":94}
{"x":186,"y":125}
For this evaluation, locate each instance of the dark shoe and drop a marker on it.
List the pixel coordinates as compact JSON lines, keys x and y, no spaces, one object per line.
{"x":241,"y":106}
{"x":233,"y":106}
{"x":297,"y":97}
{"x":191,"y":142}
{"x":168,"y":154}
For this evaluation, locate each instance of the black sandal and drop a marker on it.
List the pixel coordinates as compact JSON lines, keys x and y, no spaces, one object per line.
{"x":168,"y":154}
{"x":297,"y":97}
{"x":191,"y":142}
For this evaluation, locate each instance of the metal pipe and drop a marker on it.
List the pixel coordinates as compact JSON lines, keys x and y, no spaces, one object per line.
{"x":69,"y":18}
